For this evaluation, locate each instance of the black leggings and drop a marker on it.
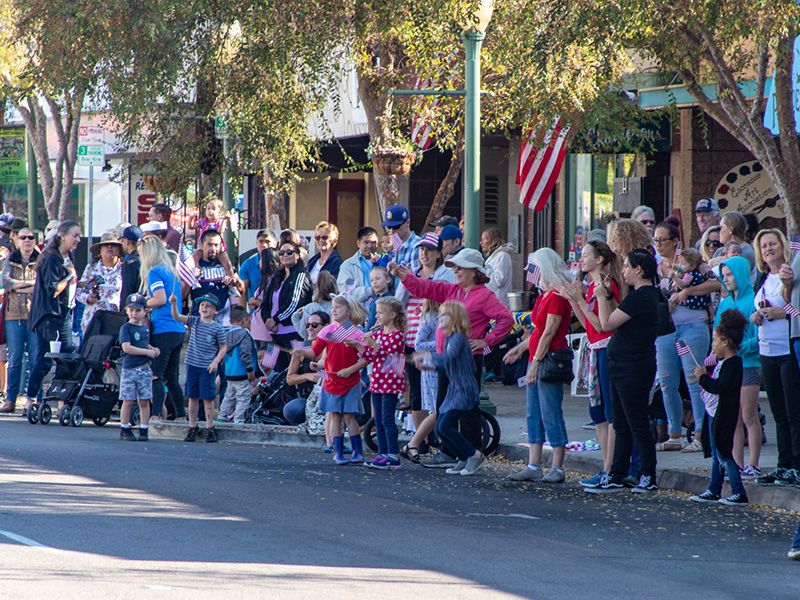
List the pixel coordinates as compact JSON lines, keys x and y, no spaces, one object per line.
{"x":165,"y":370}
{"x":470,"y":421}
{"x":781,"y":382}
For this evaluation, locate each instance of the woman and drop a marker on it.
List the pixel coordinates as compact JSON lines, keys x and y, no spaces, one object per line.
{"x":99,"y":287}
{"x":498,"y":263}
{"x":50,"y":315}
{"x":304,"y":377}
{"x":691,"y":327}
{"x":268,"y":262}
{"x":166,"y":333}
{"x":625,"y":235}
{"x":482,"y":307}
{"x":431,"y":268}
{"x":600,"y":263}
{"x":778,"y":368}
{"x":550,"y":315}
{"x":324,"y":292}
{"x":289,"y":289}
{"x":646,"y":216}
{"x":733,"y":230}
{"x":327,"y":258}
{"x":18,"y":279}
{"x":710,"y":242}
{"x":632,"y":368}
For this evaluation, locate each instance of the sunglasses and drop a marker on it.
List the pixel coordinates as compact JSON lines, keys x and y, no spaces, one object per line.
{"x":286,"y":252}
{"x":313,"y":325}
{"x":27,"y":237}
{"x":716,"y":243}
{"x":647,"y":222}
{"x":320,"y":237}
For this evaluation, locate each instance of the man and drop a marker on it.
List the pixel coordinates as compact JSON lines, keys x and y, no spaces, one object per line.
{"x":452,"y":240}
{"x":11,"y":229}
{"x":397,"y":220}
{"x":159,"y":229}
{"x":212,"y":278}
{"x":706,"y":213}
{"x":162,"y":213}
{"x":250,"y":271}
{"x":354,"y":272}
{"x":131,"y":281}
{"x":440,"y":223}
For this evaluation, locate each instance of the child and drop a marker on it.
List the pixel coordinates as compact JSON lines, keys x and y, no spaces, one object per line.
{"x":341,"y":389}
{"x":687,"y":274}
{"x":206,"y":340}
{"x":136,"y":380}
{"x":462,"y":393}
{"x":380,"y":282}
{"x":385,"y":350}
{"x":721,"y":399}
{"x":238,"y":367}
{"x":217,"y":220}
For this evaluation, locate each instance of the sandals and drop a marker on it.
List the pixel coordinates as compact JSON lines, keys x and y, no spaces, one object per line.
{"x":671,"y":445}
{"x":695,"y":446}
{"x":410,"y":453}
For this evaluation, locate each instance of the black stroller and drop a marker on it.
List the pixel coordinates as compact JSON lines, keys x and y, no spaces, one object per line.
{"x":78,"y":380}
{"x":271,"y":393}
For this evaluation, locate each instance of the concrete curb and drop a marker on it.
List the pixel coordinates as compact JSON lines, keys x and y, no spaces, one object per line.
{"x":267,"y":435}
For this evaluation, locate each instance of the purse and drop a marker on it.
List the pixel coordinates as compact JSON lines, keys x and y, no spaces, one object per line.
{"x":557,"y":367}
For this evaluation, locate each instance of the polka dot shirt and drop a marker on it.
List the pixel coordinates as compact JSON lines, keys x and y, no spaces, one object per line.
{"x":384,"y":379}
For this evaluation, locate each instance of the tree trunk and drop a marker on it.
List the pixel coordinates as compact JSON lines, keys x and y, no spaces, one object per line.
{"x":448,"y":184}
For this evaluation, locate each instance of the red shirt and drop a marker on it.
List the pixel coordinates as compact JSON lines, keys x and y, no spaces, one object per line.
{"x":592,"y":334}
{"x":338,"y":356}
{"x":549,"y":304}
{"x":386,"y":381}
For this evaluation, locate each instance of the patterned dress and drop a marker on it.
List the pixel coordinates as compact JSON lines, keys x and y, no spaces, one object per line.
{"x":103,"y":282}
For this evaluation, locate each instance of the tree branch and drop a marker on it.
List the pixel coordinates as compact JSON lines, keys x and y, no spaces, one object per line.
{"x":761,"y":79}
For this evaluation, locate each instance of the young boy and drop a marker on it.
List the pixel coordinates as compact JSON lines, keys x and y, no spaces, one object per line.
{"x":136,"y":381}
{"x":206,"y":340}
{"x":238,"y":366}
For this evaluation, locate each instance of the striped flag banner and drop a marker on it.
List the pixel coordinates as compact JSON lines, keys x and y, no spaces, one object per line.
{"x":397,"y":242}
{"x":533,"y":274}
{"x":270,"y":358}
{"x":395,"y":363}
{"x":794,"y":244}
{"x":538,"y":168}
{"x":790,"y":310}
{"x":187,"y":270}
{"x":710,"y":360}
{"x":487,"y":350}
{"x":341,"y":333}
{"x":682,"y":347}
{"x":687,"y":278}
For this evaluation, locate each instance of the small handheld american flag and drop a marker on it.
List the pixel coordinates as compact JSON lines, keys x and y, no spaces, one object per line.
{"x":341,"y":333}
{"x":710,"y":360}
{"x":682,"y":347}
{"x":487,"y":350}
{"x":534,"y":274}
{"x":270,"y":358}
{"x":299,"y":344}
{"x":187,"y":270}
{"x":395,"y":363}
{"x":790,"y":310}
{"x":397,"y":243}
{"x":794,"y":244}
{"x":687,"y":278}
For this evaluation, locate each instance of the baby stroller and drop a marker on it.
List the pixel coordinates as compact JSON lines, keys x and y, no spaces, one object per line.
{"x":78,"y":380}
{"x":271,"y":393}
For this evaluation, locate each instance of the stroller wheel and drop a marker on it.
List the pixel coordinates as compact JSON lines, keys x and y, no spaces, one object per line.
{"x":45,"y":414}
{"x":76,"y":416}
{"x":63,"y":416}
{"x":100,"y":421}
{"x":33,"y":414}
{"x":135,"y":416}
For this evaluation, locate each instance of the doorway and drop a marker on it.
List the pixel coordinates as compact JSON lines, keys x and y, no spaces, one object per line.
{"x":346,"y":210}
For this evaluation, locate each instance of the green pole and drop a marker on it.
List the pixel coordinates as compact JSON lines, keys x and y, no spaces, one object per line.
{"x":472,"y":137}
{"x":227,"y":199}
{"x":33,"y":176}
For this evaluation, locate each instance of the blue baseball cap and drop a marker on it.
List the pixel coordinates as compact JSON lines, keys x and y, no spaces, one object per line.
{"x":395,"y":215}
{"x":208,"y":298}
{"x":450,"y":232}
{"x":132,"y":233}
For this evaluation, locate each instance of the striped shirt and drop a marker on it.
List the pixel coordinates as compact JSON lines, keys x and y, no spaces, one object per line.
{"x":413,"y":317}
{"x":408,"y":254}
{"x":205,"y":340}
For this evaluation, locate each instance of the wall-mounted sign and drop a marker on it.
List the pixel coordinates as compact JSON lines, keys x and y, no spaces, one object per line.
{"x":747,"y":188}
{"x":141,"y":199}
{"x":12,"y":155}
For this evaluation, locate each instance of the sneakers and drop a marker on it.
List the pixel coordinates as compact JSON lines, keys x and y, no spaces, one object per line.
{"x":384,"y":463}
{"x":789,"y":477}
{"x":630,"y":482}
{"x":440,"y":460}
{"x":473,"y":464}
{"x":554,"y":475}
{"x":457,"y":468}
{"x":592,"y":482}
{"x":211,"y":435}
{"x":794,"y":553}
{"x":707,"y":497}
{"x":126,"y":434}
{"x":376,"y":460}
{"x":750,"y":472}
{"x":327,"y":449}
{"x":143,"y":434}
{"x":606,"y":486}
{"x":771,"y":478}
{"x":646,"y":484}
{"x":734,"y":500}
{"x":191,"y":435}
{"x":527,"y":473}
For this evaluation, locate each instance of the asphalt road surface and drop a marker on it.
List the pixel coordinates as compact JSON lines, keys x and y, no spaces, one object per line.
{"x":83,"y":515}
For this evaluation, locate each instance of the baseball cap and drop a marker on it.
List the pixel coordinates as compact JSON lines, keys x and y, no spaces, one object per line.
{"x":705,"y":205}
{"x":430,"y":240}
{"x":468,"y":258}
{"x":444,"y":220}
{"x":136,"y":300}
{"x":132,"y":233}
{"x":208,"y":298}
{"x":451,"y":232}
{"x":395,"y":215}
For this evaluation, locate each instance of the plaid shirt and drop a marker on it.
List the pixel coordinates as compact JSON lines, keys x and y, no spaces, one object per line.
{"x":408,"y":254}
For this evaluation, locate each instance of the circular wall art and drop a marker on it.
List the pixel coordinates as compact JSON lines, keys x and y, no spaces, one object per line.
{"x":748,"y":189}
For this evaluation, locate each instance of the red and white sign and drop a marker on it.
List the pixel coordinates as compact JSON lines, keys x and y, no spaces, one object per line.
{"x":141,"y":200}
{"x":89,"y":134}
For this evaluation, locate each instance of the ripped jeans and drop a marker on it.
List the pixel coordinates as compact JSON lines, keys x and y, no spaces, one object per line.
{"x":698,"y":337}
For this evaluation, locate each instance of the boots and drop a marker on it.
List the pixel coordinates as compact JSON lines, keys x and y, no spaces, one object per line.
{"x":358,"y":449}
{"x":338,"y":451}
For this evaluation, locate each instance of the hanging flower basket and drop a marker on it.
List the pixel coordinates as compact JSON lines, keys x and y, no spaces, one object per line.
{"x":389,"y":161}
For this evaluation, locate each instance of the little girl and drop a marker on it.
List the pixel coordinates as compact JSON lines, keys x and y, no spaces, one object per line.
{"x":721,"y":399}
{"x":217,"y":220}
{"x":380,"y":283}
{"x":384,"y":349}
{"x":462,"y":393}
{"x":688,"y":274}
{"x":341,"y":389}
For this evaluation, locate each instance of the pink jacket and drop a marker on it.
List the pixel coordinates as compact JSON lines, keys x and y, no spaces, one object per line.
{"x":481,"y":303}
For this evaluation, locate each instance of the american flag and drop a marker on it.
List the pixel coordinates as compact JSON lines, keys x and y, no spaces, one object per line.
{"x":538,"y":169}
{"x":341,"y":333}
{"x":299,"y":344}
{"x":397,"y":242}
{"x":790,"y":310}
{"x":794,"y":243}
{"x":429,"y":239}
{"x":270,"y":358}
{"x":487,"y":350}
{"x":534,"y":274}
{"x":395,"y":363}
{"x":369,"y":301}
{"x":323,"y":375}
{"x":710,"y":360}
{"x":683,"y":348}
{"x":187,"y":270}
{"x":687,"y":278}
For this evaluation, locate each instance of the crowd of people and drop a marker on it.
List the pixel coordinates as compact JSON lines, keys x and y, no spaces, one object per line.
{"x":413,"y":319}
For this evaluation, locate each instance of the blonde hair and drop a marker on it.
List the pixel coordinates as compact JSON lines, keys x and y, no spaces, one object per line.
{"x":213,"y":201}
{"x":703,"y":248}
{"x":356,"y":311}
{"x":429,"y":307}
{"x":692,"y":258}
{"x":333,"y":230}
{"x":396,"y":307}
{"x":787,"y":255}
{"x":495,"y":238}
{"x":626,"y":235}
{"x":459,"y":318}
{"x":151,"y":254}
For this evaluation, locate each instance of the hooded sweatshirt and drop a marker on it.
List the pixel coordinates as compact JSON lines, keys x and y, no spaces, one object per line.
{"x":740,"y":268}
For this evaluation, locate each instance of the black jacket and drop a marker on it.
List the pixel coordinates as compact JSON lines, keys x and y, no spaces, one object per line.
{"x":131,"y":281}
{"x":727,"y":386}
{"x":331,"y":265}
{"x":294,"y":294}
{"x":48,"y":313}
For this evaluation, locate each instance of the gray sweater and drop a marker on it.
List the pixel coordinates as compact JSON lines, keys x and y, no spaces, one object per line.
{"x":457,"y":364}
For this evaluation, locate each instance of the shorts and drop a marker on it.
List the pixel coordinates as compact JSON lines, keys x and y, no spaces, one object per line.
{"x":349,"y":402}
{"x":3,"y":353}
{"x":751,"y":376}
{"x":200,"y":383}
{"x":136,"y":383}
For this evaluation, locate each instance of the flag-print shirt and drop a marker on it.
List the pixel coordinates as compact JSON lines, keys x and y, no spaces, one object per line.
{"x":383,"y":379}
{"x":338,"y":356}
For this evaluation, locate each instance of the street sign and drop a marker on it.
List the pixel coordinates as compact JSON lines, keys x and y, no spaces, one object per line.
{"x":91,"y":155}
{"x":89,"y":134}
{"x":220,"y":128}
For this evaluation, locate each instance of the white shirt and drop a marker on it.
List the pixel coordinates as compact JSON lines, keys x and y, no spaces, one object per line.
{"x":773,"y":336}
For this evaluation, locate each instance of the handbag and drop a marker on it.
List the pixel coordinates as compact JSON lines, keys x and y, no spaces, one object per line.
{"x":557,"y":367}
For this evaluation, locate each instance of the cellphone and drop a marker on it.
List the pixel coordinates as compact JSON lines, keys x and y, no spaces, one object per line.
{"x":764,"y":304}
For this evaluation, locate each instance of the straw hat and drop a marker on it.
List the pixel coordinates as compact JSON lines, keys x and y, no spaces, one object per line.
{"x":107,"y":239}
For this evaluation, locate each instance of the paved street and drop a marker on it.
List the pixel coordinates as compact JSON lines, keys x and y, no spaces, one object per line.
{"x":169,"y":520}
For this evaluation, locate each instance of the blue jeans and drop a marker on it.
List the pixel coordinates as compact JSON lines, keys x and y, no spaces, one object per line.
{"x":697,"y":337}
{"x":796,"y":540}
{"x":383,"y":407}
{"x":544,"y":414}
{"x":717,"y":473}
{"x":447,"y":430}
{"x":39,"y":364}
{"x":603,"y":413}
{"x":19,"y":340}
